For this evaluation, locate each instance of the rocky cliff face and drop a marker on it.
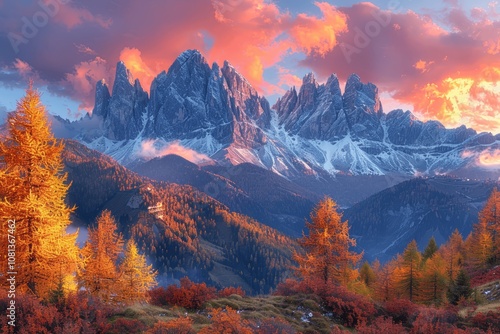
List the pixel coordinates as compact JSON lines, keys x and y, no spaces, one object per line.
{"x":215,"y":111}
{"x":123,"y":111}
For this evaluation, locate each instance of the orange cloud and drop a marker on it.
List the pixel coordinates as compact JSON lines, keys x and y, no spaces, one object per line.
{"x":136,"y":65}
{"x":461,"y":100}
{"x":154,"y":149}
{"x":319,"y":35}
{"x":423,"y":66}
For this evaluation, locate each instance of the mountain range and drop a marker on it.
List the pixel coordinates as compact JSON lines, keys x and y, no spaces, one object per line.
{"x":315,"y":130}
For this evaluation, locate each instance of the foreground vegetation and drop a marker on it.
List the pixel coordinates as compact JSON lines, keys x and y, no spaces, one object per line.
{"x":104,"y":288}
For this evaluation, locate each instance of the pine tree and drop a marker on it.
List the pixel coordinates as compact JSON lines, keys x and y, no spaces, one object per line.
{"x":460,"y":288}
{"x":327,"y":256}
{"x":367,"y":274}
{"x":409,"y":277}
{"x":100,"y":255}
{"x":136,"y":277}
{"x":431,"y":248}
{"x":385,"y":285}
{"x":33,"y":194}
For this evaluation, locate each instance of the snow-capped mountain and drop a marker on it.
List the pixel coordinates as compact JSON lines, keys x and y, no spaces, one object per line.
{"x":217,"y":113}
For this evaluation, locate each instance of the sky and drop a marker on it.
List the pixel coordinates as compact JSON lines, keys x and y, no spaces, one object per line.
{"x":439,"y":59}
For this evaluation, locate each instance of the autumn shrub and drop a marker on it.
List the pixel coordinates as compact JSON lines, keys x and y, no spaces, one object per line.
{"x":432,"y":320}
{"x":487,"y":321}
{"x":347,"y":307}
{"x":79,"y":313}
{"x":227,"y":321}
{"x":177,"y":326}
{"x":189,"y":295}
{"x":226,"y":292}
{"x":402,"y":311}
{"x":381,"y":325}
{"x":125,"y":325}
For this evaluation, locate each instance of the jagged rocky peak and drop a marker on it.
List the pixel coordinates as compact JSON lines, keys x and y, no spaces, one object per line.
{"x":102,"y":98}
{"x":123,"y":115}
{"x":363,"y":109}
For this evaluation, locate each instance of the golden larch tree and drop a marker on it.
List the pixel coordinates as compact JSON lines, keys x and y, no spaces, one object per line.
{"x":100,"y":254}
{"x":136,"y":277}
{"x":479,"y":245}
{"x":490,"y":215}
{"x":327,"y":256}
{"x":33,"y":194}
{"x":452,"y":254}
{"x":409,"y":271}
{"x":434,"y":280}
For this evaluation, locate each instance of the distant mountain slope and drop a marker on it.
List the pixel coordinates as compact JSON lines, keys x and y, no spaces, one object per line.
{"x":386,"y":222}
{"x":246,"y":188}
{"x":181,"y":230}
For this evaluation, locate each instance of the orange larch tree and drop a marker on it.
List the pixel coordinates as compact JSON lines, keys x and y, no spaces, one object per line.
{"x":327,"y":256}
{"x":452,"y":254}
{"x":490,"y":215}
{"x":410,"y":271}
{"x":33,"y":194}
{"x":136,"y":277}
{"x":100,"y":254}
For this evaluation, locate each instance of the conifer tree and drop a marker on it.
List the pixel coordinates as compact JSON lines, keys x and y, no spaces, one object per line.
{"x":430,"y":249}
{"x":33,"y":194}
{"x":100,"y":255}
{"x":136,"y":277}
{"x":480,"y":245}
{"x":460,"y":288}
{"x":367,"y":274}
{"x":409,"y":277}
{"x":490,"y":216}
{"x":452,"y":253}
{"x":434,"y":280}
{"x":327,"y":256}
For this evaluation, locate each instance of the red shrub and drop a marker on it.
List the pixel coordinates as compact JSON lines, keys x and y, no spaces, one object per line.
{"x":348,"y":307}
{"x":402,"y":311}
{"x":129,"y":326}
{"x":431,"y":320}
{"x":189,"y":295}
{"x":490,"y":320}
{"x":381,"y":325}
{"x":485,"y":276}
{"x":177,"y":326}
{"x":289,"y":287}
{"x":226,"y":292}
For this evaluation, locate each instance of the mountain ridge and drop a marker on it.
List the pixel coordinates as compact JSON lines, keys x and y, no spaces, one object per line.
{"x":216,"y":112}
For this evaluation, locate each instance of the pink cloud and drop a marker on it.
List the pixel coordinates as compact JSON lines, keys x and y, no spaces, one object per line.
{"x":154,"y":149}
{"x":80,"y":84}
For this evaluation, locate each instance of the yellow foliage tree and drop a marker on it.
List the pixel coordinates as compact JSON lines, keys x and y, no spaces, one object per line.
{"x":327,"y":255}
{"x":100,"y":255}
{"x":434,"y":280}
{"x":490,"y":215}
{"x":33,"y":190}
{"x":136,"y":277}
{"x":452,"y":254}
{"x":479,"y":245}
{"x":409,"y":271}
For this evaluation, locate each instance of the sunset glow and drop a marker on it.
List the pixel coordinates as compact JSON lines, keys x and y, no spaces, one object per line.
{"x":441,"y":59}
